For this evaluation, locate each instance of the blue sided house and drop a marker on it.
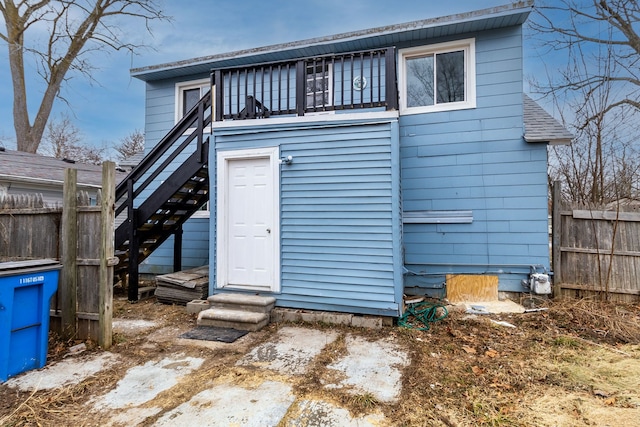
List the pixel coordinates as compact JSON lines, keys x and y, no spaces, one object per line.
{"x":342,"y":172}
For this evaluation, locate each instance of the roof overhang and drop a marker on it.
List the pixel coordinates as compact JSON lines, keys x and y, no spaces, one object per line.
{"x":433,"y":28}
{"x":540,"y":126}
{"x":53,"y":183}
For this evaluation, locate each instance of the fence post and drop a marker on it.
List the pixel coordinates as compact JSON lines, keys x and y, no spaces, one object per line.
{"x":556,"y":240}
{"x":69,"y":235}
{"x":107,"y":220}
{"x":177,"y":249}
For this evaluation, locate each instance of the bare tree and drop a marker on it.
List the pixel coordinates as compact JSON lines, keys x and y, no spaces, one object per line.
{"x":586,"y":27}
{"x":74,"y":29}
{"x":130,"y":145}
{"x":63,"y":140}
{"x":602,"y":164}
{"x":597,"y":93}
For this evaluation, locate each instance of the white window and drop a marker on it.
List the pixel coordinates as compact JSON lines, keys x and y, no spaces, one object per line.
{"x":437,"y":77}
{"x":188,"y":94}
{"x":319,"y":85}
{"x":203,"y":212}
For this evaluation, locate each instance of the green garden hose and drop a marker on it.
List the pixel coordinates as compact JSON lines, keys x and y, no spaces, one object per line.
{"x":420,"y":315}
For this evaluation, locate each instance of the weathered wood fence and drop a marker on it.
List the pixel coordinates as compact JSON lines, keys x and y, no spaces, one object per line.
{"x":81,"y":237}
{"x":596,"y":252}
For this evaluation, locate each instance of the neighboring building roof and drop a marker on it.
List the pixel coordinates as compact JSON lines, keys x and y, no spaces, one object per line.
{"x":18,"y":166}
{"x":131,"y":162}
{"x":540,"y":126}
{"x":390,"y":35}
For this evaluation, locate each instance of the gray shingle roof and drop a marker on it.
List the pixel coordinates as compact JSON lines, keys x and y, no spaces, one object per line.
{"x":18,"y":164}
{"x":132,"y":161}
{"x":540,"y":126}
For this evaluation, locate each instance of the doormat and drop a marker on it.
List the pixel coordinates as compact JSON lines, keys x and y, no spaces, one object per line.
{"x":209,"y":333}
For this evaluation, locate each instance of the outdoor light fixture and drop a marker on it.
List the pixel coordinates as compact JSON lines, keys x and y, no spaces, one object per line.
{"x":286,"y":160}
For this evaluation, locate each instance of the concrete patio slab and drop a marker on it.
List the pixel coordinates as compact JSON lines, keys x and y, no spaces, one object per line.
{"x":291,"y":351}
{"x":132,"y":416}
{"x":367,"y":367}
{"x":493,"y":307}
{"x":231,"y":405}
{"x":371,"y":367}
{"x":319,"y":413}
{"x":64,"y":373}
{"x":129,"y":326}
{"x":143,"y":383}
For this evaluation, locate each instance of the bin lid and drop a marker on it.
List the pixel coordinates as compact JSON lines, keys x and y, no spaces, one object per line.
{"x":13,"y":267}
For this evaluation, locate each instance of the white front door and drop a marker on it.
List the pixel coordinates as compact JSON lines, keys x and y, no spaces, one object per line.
{"x":247,"y":227}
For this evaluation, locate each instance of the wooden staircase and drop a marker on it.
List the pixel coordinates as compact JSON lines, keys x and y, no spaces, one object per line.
{"x":156,"y":198}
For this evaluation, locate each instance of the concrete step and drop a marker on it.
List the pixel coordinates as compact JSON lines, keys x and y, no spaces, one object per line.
{"x":252,"y":303}
{"x":236,"y":319}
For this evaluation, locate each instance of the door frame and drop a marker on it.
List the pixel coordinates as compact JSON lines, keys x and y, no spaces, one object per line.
{"x":222,"y":238}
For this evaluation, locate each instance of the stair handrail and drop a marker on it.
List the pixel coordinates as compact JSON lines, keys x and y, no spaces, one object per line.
{"x":194,"y":116}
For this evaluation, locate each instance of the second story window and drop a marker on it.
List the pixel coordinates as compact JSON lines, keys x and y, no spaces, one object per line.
{"x":319,"y":85}
{"x":188,"y":94}
{"x":437,"y":77}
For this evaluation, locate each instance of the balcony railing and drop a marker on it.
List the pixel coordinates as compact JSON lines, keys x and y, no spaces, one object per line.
{"x":355,"y":80}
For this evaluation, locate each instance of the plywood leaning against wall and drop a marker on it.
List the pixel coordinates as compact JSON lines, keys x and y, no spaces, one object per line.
{"x":471,"y":288}
{"x":29,"y":229}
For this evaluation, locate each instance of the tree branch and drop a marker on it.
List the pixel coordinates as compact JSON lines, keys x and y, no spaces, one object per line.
{"x":76,"y":28}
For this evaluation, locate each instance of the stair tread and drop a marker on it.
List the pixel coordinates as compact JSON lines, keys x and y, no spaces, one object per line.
{"x":232,"y":315}
{"x":257,"y":300}
{"x":185,"y":201}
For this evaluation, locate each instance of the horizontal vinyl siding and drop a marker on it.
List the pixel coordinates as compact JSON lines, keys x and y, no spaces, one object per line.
{"x":160,"y":108}
{"x":159,"y":120}
{"x":477,"y":160}
{"x":339,"y":214}
{"x":195,"y":249}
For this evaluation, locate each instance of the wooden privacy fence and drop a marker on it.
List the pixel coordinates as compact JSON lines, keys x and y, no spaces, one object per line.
{"x":596,"y":252}
{"x":81,"y":237}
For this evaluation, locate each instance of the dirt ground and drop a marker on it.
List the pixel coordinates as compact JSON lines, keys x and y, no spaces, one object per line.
{"x":575,"y":364}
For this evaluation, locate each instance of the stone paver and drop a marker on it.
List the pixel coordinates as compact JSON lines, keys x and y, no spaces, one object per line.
{"x":143,"y":383}
{"x":232,"y":405}
{"x":63,"y":373}
{"x":368,"y":367}
{"x":291,"y":351}
{"x":317,"y":413}
{"x":128,"y":326}
{"x":372,"y":367}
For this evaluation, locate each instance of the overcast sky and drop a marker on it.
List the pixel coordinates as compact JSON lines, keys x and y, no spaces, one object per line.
{"x":112,"y":106}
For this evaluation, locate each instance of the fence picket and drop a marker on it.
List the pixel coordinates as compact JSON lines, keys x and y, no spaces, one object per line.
{"x":30,"y":229}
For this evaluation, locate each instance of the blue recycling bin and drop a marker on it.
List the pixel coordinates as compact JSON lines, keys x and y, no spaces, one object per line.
{"x":26,"y":288}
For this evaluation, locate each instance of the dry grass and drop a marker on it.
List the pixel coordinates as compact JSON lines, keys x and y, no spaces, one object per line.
{"x":576,"y":364}
{"x":609,"y":322}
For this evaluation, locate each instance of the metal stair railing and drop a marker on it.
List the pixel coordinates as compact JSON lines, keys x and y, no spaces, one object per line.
{"x":136,"y":211}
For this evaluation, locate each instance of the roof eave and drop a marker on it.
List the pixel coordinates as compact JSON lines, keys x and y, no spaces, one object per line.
{"x":521,"y":8}
{"x":558,"y":141}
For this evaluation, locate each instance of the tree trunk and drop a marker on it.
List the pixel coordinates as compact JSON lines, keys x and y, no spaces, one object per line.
{"x":71,"y":24}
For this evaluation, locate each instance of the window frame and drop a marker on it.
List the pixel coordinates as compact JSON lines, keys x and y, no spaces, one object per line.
{"x":203,"y":212}
{"x":187,"y":85}
{"x":465,"y":45}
